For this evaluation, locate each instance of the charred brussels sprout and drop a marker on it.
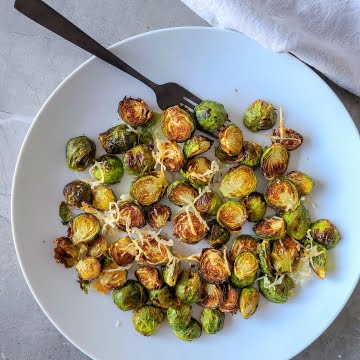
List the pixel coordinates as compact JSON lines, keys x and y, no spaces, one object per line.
{"x":263,"y":251}
{"x":210,"y":115}
{"x":208,"y":203}
{"x":188,"y":227}
{"x":231,"y":215}
{"x":178,"y":124}
{"x":171,"y":272}
{"x":131,"y":215}
{"x":213,"y":296}
{"x":102,"y":197}
{"x":288,"y":138}
{"x":242,"y":243}
{"x":231,"y":140}
{"x":212,"y":320}
{"x":191,"y":332}
{"x":214,"y":266}
{"x":251,"y":154}
{"x":149,"y":277}
{"x":154,"y":253}
{"x":118,"y":139}
{"x":231,"y":300}
{"x":255,"y":206}
{"x":196,"y":145}
{"x":179,"y":318}
{"x":297,"y":222}
{"x":302,"y":181}
{"x":284,"y":254}
{"x":88,"y":268}
{"x":131,"y":296}
{"x":240,"y":284}
{"x":198,"y":172}
{"x":171,"y":155}
{"x":139,"y":160}
{"x":249,"y":300}
{"x":65,"y":252}
{"x":147,"y":319}
{"x":80,"y":153}
{"x":180,"y":193}
{"x":84,"y":228}
{"x":112,"y":277}
{"x":164,"y":298}
{"x":158,"y":215}
{"x":76,"y":193}
{"x":189,"y":287}
{"x":280,"y":292}
{"x":98,"y":247}
{"x":149,"y":188}
{"x":274,"y":161}
{"x":109,"y":169}
{"x":245,"y":265}
{"x":134,"y":112}
{"x":260,"y":115}
{"x":318,"y":255}
{"x":64,"y":213}
{"x":217,"y":235}
{"x":123,"y":251}
{"x":270,"y":228}
{"x":324,"y":232}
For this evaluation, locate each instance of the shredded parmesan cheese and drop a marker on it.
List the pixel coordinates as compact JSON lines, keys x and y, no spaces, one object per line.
{"x":281,"y":124}
{"x":93,"y":182}
{"x":214,"y":168}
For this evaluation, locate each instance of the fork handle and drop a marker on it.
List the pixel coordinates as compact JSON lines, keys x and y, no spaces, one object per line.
{"x":46,"y":16}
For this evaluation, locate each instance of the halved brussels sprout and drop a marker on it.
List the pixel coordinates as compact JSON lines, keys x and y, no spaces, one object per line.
{"x":242,"y":243}
{"x":288,"y":138}
{"x":102,"y":197}
{"x":260,"y":115}
{"x":173,"y":157}
{"x":249,"y":300}
{"x":212,"y":320}
{"x":147,"y":319}
{"x":263,"y":251}
{"x":149,"y":188}
{"x":88,"y":268}
{"x":231,"y":140}
{"x":189,"y":287}
{"x":80,"y":153}
{"x":131,"y":215}
{"x":297,"y":222}
{"x":231,"y":300}
{"x":171,"y":272}
{"x":278,"y":293}
{"x":271,"y":228}
{"x":139,"y":160}
{"x":188,"y":227}
{"x":109,"y":169}
{"x":181,"y":193}
{"x":317,"y":262}
{"x":191,"y":332}
{"x":179,"y":318}
{"x":217,"y":235}
{"x":282,"y":195}
{"x":76,"y":193}
{"x":64,"y":213}
{"x":255,"y":206}
{"x":98,"y":247}
{"x":251,"y":154}
{"x":123,"y":251}
{"x":213,"y":266}
{"x":149,"y":130}
{"x":245,"y":265}
{"x":131,"y":296}
{"x":210,"y":115}
{"x":213,"y":296}
{"x":284,"y":254}
{"x":238,"y":182}
{"x":178,"y":124}
{"x":164,"y":298}
{"x":118,"y":139}
{"x":84,"y":228}
{"x":149,"y":277}
{"x":232,"y":215}
{"x":154,"y":253}
{"x":65,"y":252}
{"x":112,"y":277}
{"x":208,"y":203}
{"x":158,"y":215}
{"x":324,"y":232}
{"x":197,"y":172}
{"x":303,"y":182}
{"x":134,"y":112}
{"x":243,"y":283}
{"x":196,"y":145}
{"x":274,"y":161}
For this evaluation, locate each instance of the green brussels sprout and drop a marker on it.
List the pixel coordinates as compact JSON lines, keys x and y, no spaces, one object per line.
{"x":263,"y":251}
{"x":134,"y":112}
{"x":271,"y":228}
{"x":245,"y":265}
{"x":212,"y":320}
{"x":147,"y":319}
{"x":260,"y":115}
{"x":84,"y":228}
{"x":231,"y":140}
{"x":255,"y":206}
{"x":303,"y":182}
{"x":191,"y":332}
{"x":243,"y":283}
{"x":284,"y":254}
{"x":65,"y":252}
{"x":149,"y":188}
{"x":250,"y":155}
{"x":198,"y":172}
{"x":131,"y":296}
{"x":213,"y":266}
{"x":171,"y":155}
{"x":97,"y":247}
{"x":158,"y":215}
{"x":217,"y":235}
{"x":282,"y":195}
{"x":180,"y":193}
{"x":146,"y":134}
{"x":318,"y":262}
{"x":118,"y":139}
{"x":112,"y":277}
{"x":178,"y":123}
{"x":208,"y":203}
{"x":76,"y":193}
{"x":238,"y":182}
{"x":109,"y":169}
{"x":171,"y":272}
{"x":196,"y":145}
{"x":179,"y":318}
{"x":231,"y":300}
{"x":249,"y":300}
{"x":130,"y":216}
{"x":297,"y":222}
{"x":288,"y":138}
{"x":154,"y":253}
{"x":231,"y":215}
{"x":325,"y":233}
{"x":123,"y":251}
{"x":188,"y":227}
{"x":213,"y":296}
{"x":225,"y":158}
{"x":274,"y":161}
{"x":164,"y":298}
{"x":102,"y":197}
{"x":189,"y":287}
{"x":149,"y":277}
{"x":242,"y":243}
{"x":64,"y":213}
{"x":139,"y":160}
{"x":210,"y":115}
{"x":88,"y":268}
{"x":278,"y":293}
{"x":80,"y":153}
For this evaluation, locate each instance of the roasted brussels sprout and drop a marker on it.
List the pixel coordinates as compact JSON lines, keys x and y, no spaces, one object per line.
{"x":213,"y":296}
{"x":102,"y":197}
{"x":231,"y":215}
{"x":288,"y":138}
{"x":263,"y":251}
{"x":225,"y":158}
{"x":297,"y":222}
{"x":171,"y":272}
{"x":282,"y":195}
{"x":148,"y":131}
{"x":154,"y":253}
{"x":123,"y":251}
{"x":217,"y":235}
{"x":242,"y":243}
{"x":243,"y":283}
{"x":118,"y":139}
{"x":324,"y":232}
{"x":189,"y":287}
{"x":164,"y":298}
{"x":191,"y":332}
{"x":274,"y":161}
{"x":76,"y":193}
{"x":112,"y":277}
{"x":149,"y":188}
{"x":318,"y":258}
{"x":80,"y":153}
{"x":188,"y":227}
{"x":172,"y":156}
{"x":179,"y":318}
{"x":249,"y":300}
{"x":231,"y":300}
{"x":284,"y":254}
{"x":251,"y":154}
{"x":158,"y":215}
{"x":260,"y":115}
{"x":131,"y":215}
{"x":196,"y":145}
{"x":64,"y":213}
{"x":88,"y":268}
{"x":271,"y":228}
{"x":208,"y":203}
{"x":198,"y":171}
{"x":245,"y":265}
{"x":212,"y":320}
{"x":134,"y":112}
{"x":255,"y":206}
{"x":178,"y":124}
{"x":303,"y":182}
{"x":139,"y":160}
{"x":210,"y":115}
{"x":98,"y":247}
{"x":147,"y":319}
{"x":280,"y":292}
{"x":65,"y":252}
{"x":231,"y":140}
{"x":131,"y":296}
{"x":149,"y":277}
{"x":181,"y":193}
{"x":109,"y":169}
{"x":213,"y":266}
{"x":84,"y":228}
{"x":238,"y":182}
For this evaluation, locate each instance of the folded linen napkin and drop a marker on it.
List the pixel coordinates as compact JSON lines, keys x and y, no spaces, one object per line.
{"x":323,"y":33}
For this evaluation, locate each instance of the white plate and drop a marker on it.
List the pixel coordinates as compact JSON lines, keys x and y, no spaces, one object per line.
{"x":229,"y":68}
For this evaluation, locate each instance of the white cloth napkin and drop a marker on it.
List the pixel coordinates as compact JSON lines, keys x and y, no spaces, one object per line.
{"x":323,"y":33}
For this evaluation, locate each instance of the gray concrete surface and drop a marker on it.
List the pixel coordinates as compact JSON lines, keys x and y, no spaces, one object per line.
{"x":32,"y":63}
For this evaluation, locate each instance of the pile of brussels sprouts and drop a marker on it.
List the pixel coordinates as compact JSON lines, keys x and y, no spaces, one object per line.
{"x":285,"y":244}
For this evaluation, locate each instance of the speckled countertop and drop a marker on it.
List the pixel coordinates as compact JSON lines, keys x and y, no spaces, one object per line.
{"x":32,"y":63}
